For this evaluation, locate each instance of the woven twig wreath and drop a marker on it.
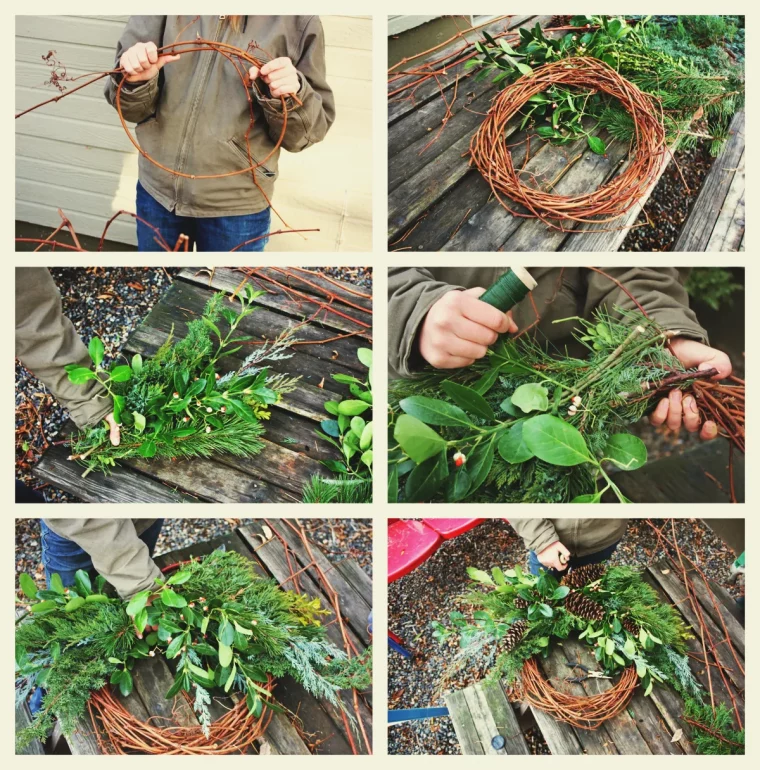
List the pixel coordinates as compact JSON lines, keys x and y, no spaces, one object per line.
{"x":231,"y":734}
{"x":493,"y":158}
{"x":586,"y":713}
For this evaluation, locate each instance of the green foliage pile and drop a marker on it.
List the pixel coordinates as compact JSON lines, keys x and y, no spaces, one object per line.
{"x":178,"y":403}
{"x":350,"y":430}
{"x":692,"y":66}
{"x":521,"y":425}
{"x":631,"y":627}
{"x":713,"y":286}
{"x":223,"y":626}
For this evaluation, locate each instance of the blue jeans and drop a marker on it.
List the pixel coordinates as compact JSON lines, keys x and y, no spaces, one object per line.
{"x":65,"y":557}
{"x":205,"y":233}
{"x":534,"y":565}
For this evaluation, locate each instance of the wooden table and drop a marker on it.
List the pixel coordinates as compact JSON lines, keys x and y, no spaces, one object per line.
{"x":292,"y":451}
{"x":647,"y":726}
{"x":323,"y":730}
{"x":437,"y":202}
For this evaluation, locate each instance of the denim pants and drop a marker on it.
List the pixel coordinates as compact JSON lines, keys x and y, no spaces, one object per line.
{"x":205,"y":233}
{"x":534,"y":565}
{"x":65,"y":557}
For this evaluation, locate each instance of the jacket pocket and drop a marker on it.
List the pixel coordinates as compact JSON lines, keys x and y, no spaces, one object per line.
{"x":243,"y":155}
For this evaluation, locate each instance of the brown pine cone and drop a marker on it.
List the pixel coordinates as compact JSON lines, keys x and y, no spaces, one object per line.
{"x":520,"y":603}
{"x":584,"y":607}
{"x":513,"y":637}
{"x":631,"y":627}
{"x":582,"y":576}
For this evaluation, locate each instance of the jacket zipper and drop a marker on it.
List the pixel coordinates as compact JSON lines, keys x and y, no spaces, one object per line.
{"x":191,"y":118}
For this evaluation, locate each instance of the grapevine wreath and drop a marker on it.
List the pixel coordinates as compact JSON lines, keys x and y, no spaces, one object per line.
{"x":633,"y":634}
{"x":223,"y":627}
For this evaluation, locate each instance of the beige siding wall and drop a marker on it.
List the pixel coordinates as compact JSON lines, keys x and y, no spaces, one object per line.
{"x":74,"y":154}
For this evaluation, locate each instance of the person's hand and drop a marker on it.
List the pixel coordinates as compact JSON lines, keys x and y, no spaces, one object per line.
{"x":677,"y":409}
{"x":458,"y":329}
{"x":142,"y":62}
{"x":554,"y":556}
{"x":279,"y":74}
{"x":114,"y":431}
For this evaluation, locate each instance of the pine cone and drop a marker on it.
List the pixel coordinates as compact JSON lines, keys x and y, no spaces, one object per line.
{"x":582,"y":576}
{"x":520,"y":603}
{"x":631,"y":627}
{"x":513,"y":637}
{"x":584,"y":607}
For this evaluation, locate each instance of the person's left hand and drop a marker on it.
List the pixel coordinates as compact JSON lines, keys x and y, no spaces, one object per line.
{"x":677,"y":409}
{"x":279,"y":74}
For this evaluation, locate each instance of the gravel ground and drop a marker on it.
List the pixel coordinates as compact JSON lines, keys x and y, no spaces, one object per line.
{"x":110,"y":303}
{"x":669,"y":204}
{"x":431,"y":592}
{"x":338,"y":538}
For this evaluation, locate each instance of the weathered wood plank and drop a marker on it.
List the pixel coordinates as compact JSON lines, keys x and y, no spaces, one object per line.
{"x":684,"y":478}
{"x":122,"y":485}
{"x":718,"y":612}
{"x":560,"y":738}
{"x":483,"y":719}
{"x":282,"y":738}
{"x":358,"y":579}
{"x":700,"y":223}
{"x":23,"y":720}
{"x":152,"y":681}
{"x":728,"y":234}
{"x":505,"y":721}
{"x":464,"y":726}
{"x":82,"y":740}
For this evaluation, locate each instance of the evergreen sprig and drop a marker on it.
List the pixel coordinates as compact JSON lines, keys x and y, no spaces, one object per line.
{"x":177,"y":404}
{"x":226,"y":627}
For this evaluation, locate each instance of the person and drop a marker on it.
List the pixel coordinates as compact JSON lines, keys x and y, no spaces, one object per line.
{"x":46,"y":342}
{"x":193,"y":116}
{"x":436,"y":318}
{"x":561,"y":544}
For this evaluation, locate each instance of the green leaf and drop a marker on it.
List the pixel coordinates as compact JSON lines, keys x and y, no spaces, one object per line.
{"x":230,"y":679}
{"x":457,"y":486}
{"x":81,"y":375}
{"x":393,"y":483}
{"x":366,"y":458}
{"x":225,"y":655}
{"x":176,"y":687}
{"x":487,"y":381}
{"x":545,"y":610}
{"x":97,"y":351}
{"x":512,"y":447}
{"x":508,"y":407}
{"x":594,"y":498}
{"x":480,"y":576}
{"x":352,"y":407}
{"x":82,"y":583}
{"x":609,"y":646}
{"x":357,"y":425}
{"x":137,"y":363}
{"x":560,"y":592}
{"x":175,"y":646}
{"x":468,"y":399}
{"x":74,"y":604}
{"x":531,"y":397}
{"x":346,"y":379}
{"x":630,"y":647}
{"x":43,"y":606}
{"x":141,"y":620}
{"x":648,"y":691}
{"x":121,"y":373}
{"x":626,"y":451}
{"x":331,"y":407}
{"x":56,"y":584}
{"x":226,"y":632}
{"x":418,"y":441}
{"x":211,"y":325}
{"x":434,"y":411}
{"x":555,"y":441}
{"x":139,"y":421}
{"x":365,"y":356}
{"x":148,"y":448}
{"x":28,"y":586}
{"x":137,"y":602}
{"x":597,"y":145}
{"x":480,"y":462}
{"x":425,"y":480}
{"x":365,"y":440}
{"x":641,"y":670}
{"x":178,"y":578}
{"x":524,"y":69}
{"x":172,"y":599}
{"x":498,"y":576}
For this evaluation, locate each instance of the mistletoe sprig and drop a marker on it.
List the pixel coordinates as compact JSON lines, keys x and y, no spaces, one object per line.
{"x":521,"y":421}
{"x":225,"y":627}
{"x":178,"y":403}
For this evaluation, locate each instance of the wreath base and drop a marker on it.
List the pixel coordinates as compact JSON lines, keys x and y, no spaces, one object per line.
{"x":118,"y":731}
{"x":585,"y":713}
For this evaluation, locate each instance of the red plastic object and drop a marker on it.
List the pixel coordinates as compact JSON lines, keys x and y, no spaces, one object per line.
{"x":449,"y":528}
{"x":409,"y":544}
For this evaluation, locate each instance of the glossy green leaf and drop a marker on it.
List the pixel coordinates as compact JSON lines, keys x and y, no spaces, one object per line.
{"x":137,"y":602}
{"x":468,"y":399}
{"x":531,"y":397}
{"x":597,"y":145}
{"x":172,"y":599}
{"x":97,"y":351}
{"x":56,"y":584}
{"x":418,"y":440}
{"x":555,"y":441}
{"x":426,"y":479}
{"x":512,"y":447}
{"x":626,"y":451}
{"x":28,"y":586}
{"x":74,"y":604}
{"x":121,"y":373}
{"x":352,"y":407}
{"x":175,"y":646}
{"x":479,"y":463}
{"x":225,"y":655}
{"x":434,"y":411}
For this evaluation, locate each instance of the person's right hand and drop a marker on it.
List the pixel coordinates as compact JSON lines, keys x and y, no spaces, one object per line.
{"x":554,"y":556}
{"x":114,"y":431}
{"x":142,"y":62}
{"x":458,"y":329}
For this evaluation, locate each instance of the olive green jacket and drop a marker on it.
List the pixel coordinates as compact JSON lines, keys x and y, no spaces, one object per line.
{"x":115,"y":548}
{"x":194,"y":115}
{"x":561,"y":293}
{"x":46,"y":341}
{"x":580,"y":536}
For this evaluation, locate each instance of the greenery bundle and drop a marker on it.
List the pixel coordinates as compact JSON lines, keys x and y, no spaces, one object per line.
{"x":521,"y":425}
{"x":613,"y":609}
{"x":693,"y":66}
{"x":221,"y":624}
{"x":349,"y":430}
{"x":177,"y":403}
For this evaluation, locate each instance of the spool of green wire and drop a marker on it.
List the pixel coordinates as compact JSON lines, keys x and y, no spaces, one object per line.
{"x":509,"y":289}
